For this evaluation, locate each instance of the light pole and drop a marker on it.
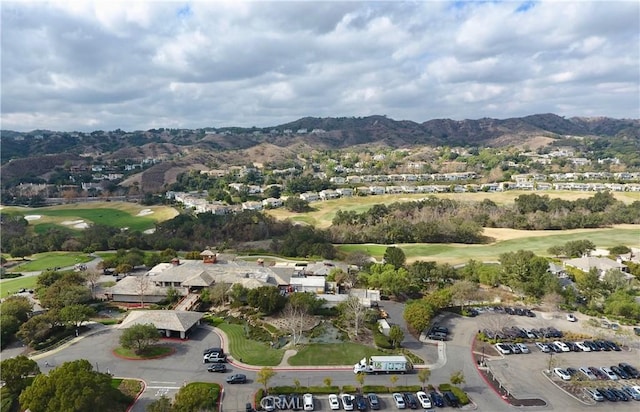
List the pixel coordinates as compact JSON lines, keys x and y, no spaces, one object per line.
{"x":550,"y":361}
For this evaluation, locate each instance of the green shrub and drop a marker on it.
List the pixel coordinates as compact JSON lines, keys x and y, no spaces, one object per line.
{"x":256,"y":398}
{"x":409,"y":388}
{"x":460,"y":394}
{"x":381,"y":340}
{"x":10,"y":275}
{"x":348,"y":388}
{"x":375,"y":389}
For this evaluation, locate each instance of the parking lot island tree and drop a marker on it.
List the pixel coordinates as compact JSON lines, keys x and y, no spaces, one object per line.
{"x":264,"y":376}
{"x":423,"y":376}
{"x":360,"y":377}
{"x":327,"y":382}
{"x":393,"y":379}
{"x":396,"y":335}
{"x":457,"y":378}
{"x":139,"y":337}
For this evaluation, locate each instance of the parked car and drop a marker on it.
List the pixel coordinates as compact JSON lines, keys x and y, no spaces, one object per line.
{"x":361,"y":403}
{"x":572,"y":371}
{"x":347,"y":401}
{"x":374,"y":402}
{"x":451,"y":399}
{"x":571,"y":318}
{"x":543,"y":347}
{"x":398,"y":399}
{"x":523,"y":347}
{"x":620,"y":395}
{"x":424,"y":400}
{"x":236,"y":378}
{"x":633,"y":372}
{"x":436,"y":399}
{"x":598,"y":373}
{"x":587,"y":372}
{"x":609,"y":373}
{"x":631,"y":392}
{"x":563,"y":346}
{"x":620,"y":372}
{"x":583,"y":347}
{"x":610,"y":396}
{"x":562,"y":374}
{"x":307,"y":401}
{"x":334,"y":403}
{"x":503,"y":349}
{"x":594,"y":394}
{"x":217,"y":367}
{"x":410,"y":400}
{"x":437,"y":336}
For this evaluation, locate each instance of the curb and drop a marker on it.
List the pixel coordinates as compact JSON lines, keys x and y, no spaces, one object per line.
{"x":135,"y":400}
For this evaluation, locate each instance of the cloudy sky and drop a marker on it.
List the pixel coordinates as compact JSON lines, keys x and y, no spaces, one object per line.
{"x":82,"y":65}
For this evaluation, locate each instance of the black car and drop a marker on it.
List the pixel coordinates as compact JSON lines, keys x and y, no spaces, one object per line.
{"x":529,"y":313}
{"x":237,"y":378}
{"x":572,"y":372}
{"x":217,"y":367}
{"x":451,"y":399}
{"x":361,"y":403}
{"x":633,"y":372}
{"x":620,"y":372}
{"x":437,"y":399}
{"x":518,"y":312}
{"x":620,"y":395}
{"x":374,"y":402}
{"x":441,"y":329}
{"x":509,"y":311}
{"x":411,"y":400}
{"x":248,"y":407}
{"x":437,"y":336}
{"x":610,"y":396}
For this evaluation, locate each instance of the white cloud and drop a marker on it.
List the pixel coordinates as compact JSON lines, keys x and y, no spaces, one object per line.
{"x":82,"y":65}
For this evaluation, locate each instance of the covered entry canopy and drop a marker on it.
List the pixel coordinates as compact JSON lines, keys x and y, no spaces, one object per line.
{"x":169,"y":321}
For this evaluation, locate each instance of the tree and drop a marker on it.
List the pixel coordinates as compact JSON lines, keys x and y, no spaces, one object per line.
{"x":17,"y":306}
{"x":395,"y":256}
{"x":614,"y":279}
{"x":619,"y":250}
{"x":396,"y":335}
{"x":162,"y":404}
{"x":140,"y":337}
{"x":194,"y":397}
{"x":418,"y":314}
{"x":577,"y":248}
{"x":267,"y":299}
{"x":463,"y":291}
{"x":14,"y":372}
{"x":457,"y":378}
{"x":92,"y":277}
{"x":327,"y":381}
{"x":36,"y":329}
{"x":556,"y":250}
{"x":264,"y":376}
{"x":219,"y":292}
{"x":297,"y":205}
{"x":297,"y":318}
{"x":589,"y":284}
{"x":393,"y":379}
{"x":76,"y":314}
{"x":73,"y":386}
{"x":423,"y":376}
{"x":360,"y":377}
{"x":172,"y":295}
{"x":353,"y":311}
{"x":142,"y":285}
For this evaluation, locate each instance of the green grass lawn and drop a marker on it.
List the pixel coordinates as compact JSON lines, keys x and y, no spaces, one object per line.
{"x":102,"y":216}
{"x":459,"y":253}
{"x":152,"y":352}
{"x":346,"y":353}
{"x":43,"y":261}
{"x":249,"y":351}
{"x":11,"y":286}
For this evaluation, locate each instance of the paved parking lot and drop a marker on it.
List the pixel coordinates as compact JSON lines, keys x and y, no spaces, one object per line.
{"x":522,"y":374}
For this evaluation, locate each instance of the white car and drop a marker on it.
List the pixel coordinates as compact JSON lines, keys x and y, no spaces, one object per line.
{"x":543,"y":347}
{"x":523,"y":348}
{"x":563,"y":346}
{"x":583,"y":347}
{"x":503,"y":349}
{"x":307,"y":401}
{"x":571,"y":318}
{"x":334,"y":403}
{"x":529,"y":334}
{"x":424,"y":399}
{"x":562,"y":374}
{"x":347,"y":401}
{"x":399,"y":401}
{"x":610,"y":374}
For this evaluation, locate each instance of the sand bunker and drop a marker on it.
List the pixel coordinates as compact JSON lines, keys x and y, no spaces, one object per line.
{"x":145,"y":212}
{"x":32,"y":217}
{"x":82,"y":225}
{"x":72,"y":222}
{"x":149,"y":231}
